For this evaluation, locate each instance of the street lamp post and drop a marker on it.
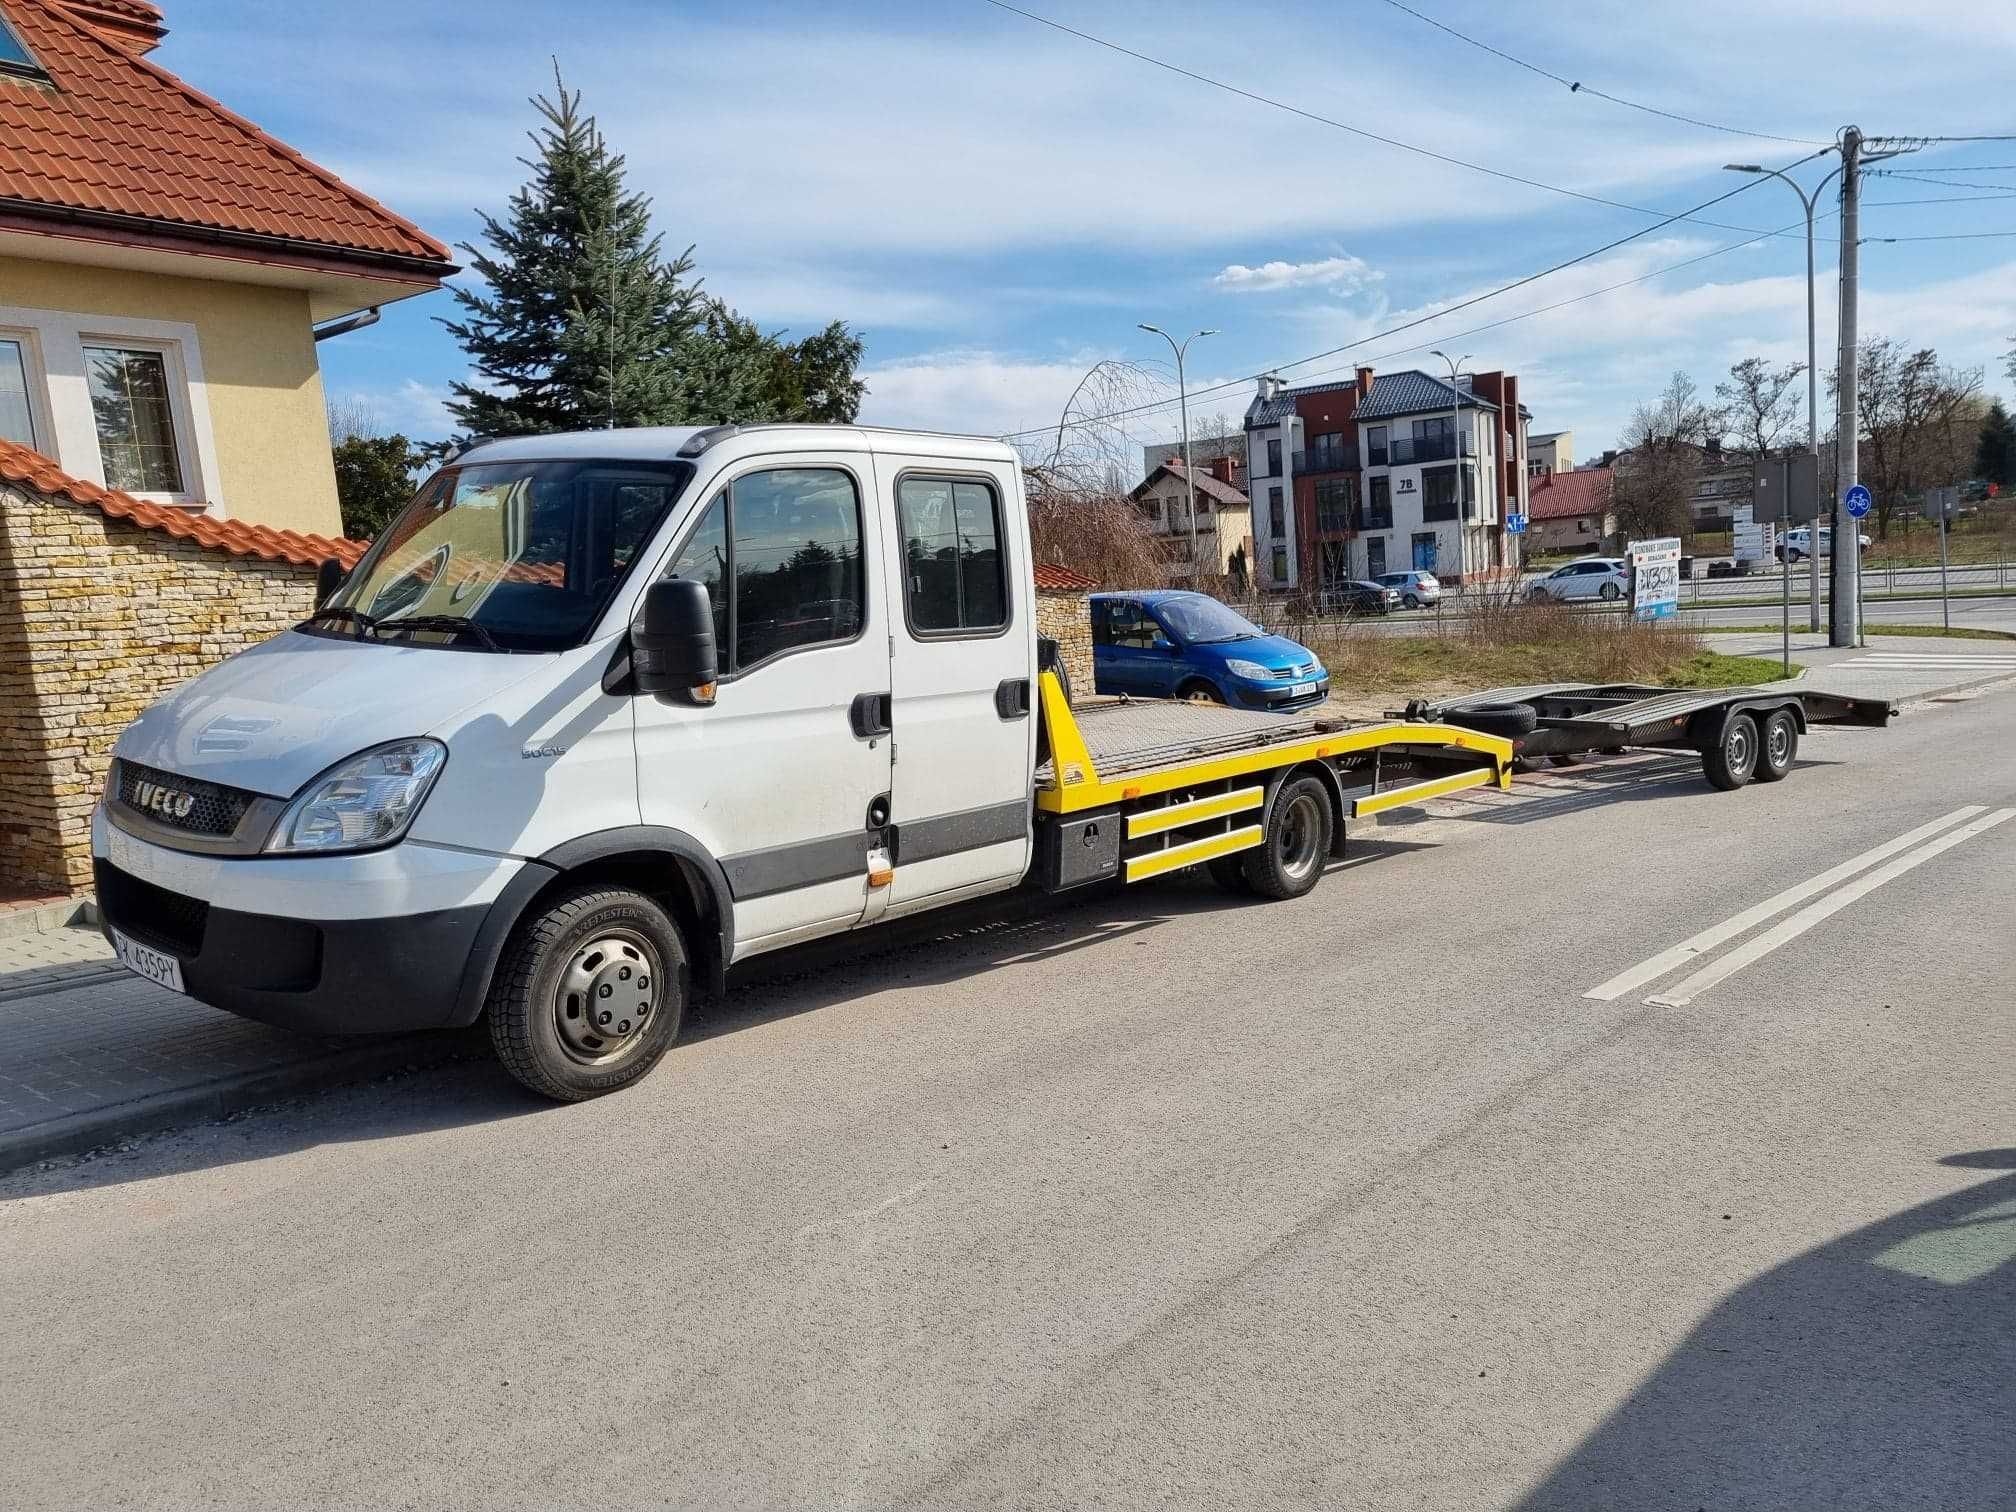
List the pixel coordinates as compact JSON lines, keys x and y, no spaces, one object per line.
{"x":1183,"y":402}
{"x":1456,"y":441}
{"x":1807,"y":201}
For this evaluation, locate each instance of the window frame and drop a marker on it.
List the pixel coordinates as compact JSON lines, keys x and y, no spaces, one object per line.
{"x":35,"y":380}
{"x":899,"y":553}
{"x":723,"y":487}
{"x":181,"y":423}
{"x":31,"y":67}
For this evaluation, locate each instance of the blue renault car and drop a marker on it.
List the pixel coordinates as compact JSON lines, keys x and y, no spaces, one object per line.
{"x":1172,"y":643}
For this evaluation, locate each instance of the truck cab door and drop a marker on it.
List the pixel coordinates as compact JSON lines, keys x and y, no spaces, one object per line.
{"x":962,"y":665}
{"x":780,"y":778}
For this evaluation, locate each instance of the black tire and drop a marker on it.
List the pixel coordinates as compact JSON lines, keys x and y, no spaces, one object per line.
{"x":1536,"y":595}
{"x":1610,"y":591}
{"x":1410,"y":602}
{"x":1510,"y":720}
{"x":585,"y":938}
{"x":1229,"y":872}
{"x":1777,"y":746}
{"x":1290,"y":860}
{"x":1199,"y":691}
{"x":1732,"y":760}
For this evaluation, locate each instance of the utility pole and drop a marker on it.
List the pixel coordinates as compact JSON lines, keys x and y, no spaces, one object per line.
{"x":1189,"y":473}
{"x":1845,"y":610}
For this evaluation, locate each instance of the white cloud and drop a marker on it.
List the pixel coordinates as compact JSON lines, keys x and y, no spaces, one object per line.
{"x":413,"y":408}
{"x":1344,"y":274}
{"x":972,"y":392}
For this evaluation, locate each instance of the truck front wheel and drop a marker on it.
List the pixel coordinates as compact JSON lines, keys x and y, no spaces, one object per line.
{"x":590,"y":993}
{"x":1290,"y":860}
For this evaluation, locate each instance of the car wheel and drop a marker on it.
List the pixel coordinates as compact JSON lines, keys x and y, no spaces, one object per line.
{"x":1290,"y":860}
{"x":1411,"y":602}
{"x":1733,"y":759}
{"x":1611,"y":591}
{"x":1199,"y":691}
{"x":1778,"y":746}
{"x":1536,"y":595}
{"x":590,"y":993}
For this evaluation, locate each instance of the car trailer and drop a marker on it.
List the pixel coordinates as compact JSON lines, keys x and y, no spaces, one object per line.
{"x":1741,"y":733}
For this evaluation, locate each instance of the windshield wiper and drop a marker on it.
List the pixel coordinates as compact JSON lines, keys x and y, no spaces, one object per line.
{"x":450,"y":624}
{"x":1219,"y":640}
{"x":364,"y":622}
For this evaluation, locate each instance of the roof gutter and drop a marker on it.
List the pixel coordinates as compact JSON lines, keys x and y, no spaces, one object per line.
{"x":289,"y":248}
{"x":347,"y":324}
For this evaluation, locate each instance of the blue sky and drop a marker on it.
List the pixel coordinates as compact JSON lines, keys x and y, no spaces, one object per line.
{"x":994,"y":205}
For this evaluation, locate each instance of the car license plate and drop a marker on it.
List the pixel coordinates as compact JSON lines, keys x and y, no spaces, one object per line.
{"x":155,"y":965}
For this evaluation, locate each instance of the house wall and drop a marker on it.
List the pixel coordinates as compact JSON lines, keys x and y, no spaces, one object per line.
{"x":1260,"y":478}
{"x":1065,"y":616}
{"x":98,"y":619}
{"x":254,"y":402}
{"x":1574,"y":533}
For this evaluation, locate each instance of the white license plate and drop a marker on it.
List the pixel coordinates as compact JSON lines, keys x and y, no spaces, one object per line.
{"x":155,"y":965}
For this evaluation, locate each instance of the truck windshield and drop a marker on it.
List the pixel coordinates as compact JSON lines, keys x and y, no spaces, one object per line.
{"x":506,"y":556}
{"x":1197,"y":620}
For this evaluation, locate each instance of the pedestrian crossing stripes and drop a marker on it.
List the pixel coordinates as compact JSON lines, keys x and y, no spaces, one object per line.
{"x":1932,"y":661}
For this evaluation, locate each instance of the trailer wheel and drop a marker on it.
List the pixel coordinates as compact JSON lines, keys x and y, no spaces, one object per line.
{"x":589,"y":994}
{"x":1229,"y":872}
{"x":1732,"y":761}
{"x":1290,"y":860}
{"x":1778,"y":746}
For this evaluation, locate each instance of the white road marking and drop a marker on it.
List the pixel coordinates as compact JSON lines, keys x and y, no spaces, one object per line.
{"x":1813,"y":913}
{"x":1700,"y":944}
{"x":1939,"y":662}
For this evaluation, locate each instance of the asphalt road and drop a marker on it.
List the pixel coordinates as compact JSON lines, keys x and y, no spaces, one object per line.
{"x":1158,"y":1199}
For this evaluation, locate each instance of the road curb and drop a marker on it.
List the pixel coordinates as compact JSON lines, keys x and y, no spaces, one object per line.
{"x":181,"y":1107}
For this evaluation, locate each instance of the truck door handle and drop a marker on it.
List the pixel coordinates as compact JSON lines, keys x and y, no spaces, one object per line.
{"x":1011,"y":698}
{"x":869,"y":715}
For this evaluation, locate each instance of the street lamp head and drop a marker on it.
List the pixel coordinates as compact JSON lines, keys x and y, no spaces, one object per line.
{"x":1153,"y":330}
{"x":1742,"y":168}
{"x":1212,"y":332}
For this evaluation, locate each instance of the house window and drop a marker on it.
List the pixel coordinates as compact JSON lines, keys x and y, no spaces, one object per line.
{"x":1277,"y":524}
{"x":1151,"y":510}
{"x":1375,"y":445}
{"x":17,"y":418}
{"x":1280,"y":564}
{"x":1379,"y":506}
{"x":1438,"y":493}
{"x":136,"y":426}
{"x":1335,"y":498}
{"x":1274,"y":457}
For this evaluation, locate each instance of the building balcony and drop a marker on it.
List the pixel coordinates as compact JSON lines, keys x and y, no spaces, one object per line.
{"x":1407,"y":451}
{"x":1334,"y":459}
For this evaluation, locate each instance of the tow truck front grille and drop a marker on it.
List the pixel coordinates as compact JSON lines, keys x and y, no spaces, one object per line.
{"x":184,"y":803}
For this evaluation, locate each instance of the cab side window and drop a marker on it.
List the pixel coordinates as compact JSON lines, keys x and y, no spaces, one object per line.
{"x":780,"y":553}
{"x":1123,"y":623}
{"x":954,"y":569}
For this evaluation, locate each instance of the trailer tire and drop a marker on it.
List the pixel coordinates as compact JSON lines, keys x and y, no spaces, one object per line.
{"x":1732,"y":760}
{"x":591,"y":943}
{"x":1229,"y":872}
{"x":1777,"y":746}
{"x":1290,"y":860}
{"x":1510,"y":720}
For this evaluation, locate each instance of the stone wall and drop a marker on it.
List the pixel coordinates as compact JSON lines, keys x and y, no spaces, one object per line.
{"x":98,"y":619}
{"x":1064,"y":616}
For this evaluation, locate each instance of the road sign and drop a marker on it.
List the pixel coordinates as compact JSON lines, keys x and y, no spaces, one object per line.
{"x":1857,"y":500}
{"x":1655,"y":577}
{"x":1515,"y":524}
{"x":1940,"y":503}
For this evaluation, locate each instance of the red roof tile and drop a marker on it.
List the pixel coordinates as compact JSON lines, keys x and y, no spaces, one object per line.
{"x":1063,"y":579}
{"x":18,"y":464}
{"x":1570,"y":495}
{"x":119,"y":134}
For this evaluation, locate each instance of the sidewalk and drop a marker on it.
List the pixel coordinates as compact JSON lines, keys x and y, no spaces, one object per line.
{"x":1897,"y":667}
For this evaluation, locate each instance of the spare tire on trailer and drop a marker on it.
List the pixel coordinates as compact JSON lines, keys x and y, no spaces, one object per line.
{"x":1510,"y":720}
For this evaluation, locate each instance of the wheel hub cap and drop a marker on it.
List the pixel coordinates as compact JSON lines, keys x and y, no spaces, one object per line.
{"x":606,"y":996}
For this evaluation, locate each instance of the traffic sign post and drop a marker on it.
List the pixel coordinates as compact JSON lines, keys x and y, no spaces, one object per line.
{"x":1857,"y":499}
{"x":1515,"y":524}
{"x":1855,"y":502}
{"x":1781,"y":491}
{"x":1942,"y":504}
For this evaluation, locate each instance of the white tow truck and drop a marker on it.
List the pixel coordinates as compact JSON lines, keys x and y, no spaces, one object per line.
{"x":599,"y":716}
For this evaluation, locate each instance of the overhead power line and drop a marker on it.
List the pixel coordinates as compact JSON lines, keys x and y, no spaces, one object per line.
{"x":1666,"y":217}
{"x":1576,"y":86}
{"x":1945,"y":199}
{"x":1921,"y":178}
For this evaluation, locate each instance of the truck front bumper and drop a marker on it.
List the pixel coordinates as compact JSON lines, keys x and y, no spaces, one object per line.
{"x":362,"y":944}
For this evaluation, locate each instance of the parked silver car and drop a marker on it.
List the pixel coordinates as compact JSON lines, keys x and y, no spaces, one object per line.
{"x":1590,"y":578}
{"x":1417,"y":590}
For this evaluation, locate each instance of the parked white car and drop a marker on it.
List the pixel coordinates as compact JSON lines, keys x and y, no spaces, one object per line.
{"x":1798,"y":542}
{"x":1590,"y":578}
{"x":1417,"y":590}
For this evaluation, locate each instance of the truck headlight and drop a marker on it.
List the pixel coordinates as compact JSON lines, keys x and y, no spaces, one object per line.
{"x":1251,"y":671}
{"x":362,"y":803}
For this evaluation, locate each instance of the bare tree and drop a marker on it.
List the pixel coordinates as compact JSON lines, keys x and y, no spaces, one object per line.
{"x":1759,"y":405}
{"x":1097,"y":531}
{"x":1657,"y":464}
{"x":1919,"y":420}
{"x":354,"y":415}
{"x":1089,"y":449}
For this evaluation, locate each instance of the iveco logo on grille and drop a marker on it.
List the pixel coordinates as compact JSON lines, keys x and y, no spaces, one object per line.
{"x":169,"y":803}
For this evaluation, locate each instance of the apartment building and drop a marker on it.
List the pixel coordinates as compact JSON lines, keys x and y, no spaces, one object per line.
{"x":1382,"y":473}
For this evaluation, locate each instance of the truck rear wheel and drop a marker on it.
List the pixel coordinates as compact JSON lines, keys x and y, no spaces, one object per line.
{"x":1778,"y":746}
{"x":1732,"y":761}
{"x":1290,"y":860}
{"x":590,"y":993}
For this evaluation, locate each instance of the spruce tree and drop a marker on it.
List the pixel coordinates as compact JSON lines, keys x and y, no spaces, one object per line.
{"x":582,"y":323}
{"x":1995,"y":454}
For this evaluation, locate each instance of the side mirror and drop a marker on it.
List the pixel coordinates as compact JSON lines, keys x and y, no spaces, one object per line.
{"x":328,"y":578}
{"x":1162,"y":645}
{"x":672,"y":646}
